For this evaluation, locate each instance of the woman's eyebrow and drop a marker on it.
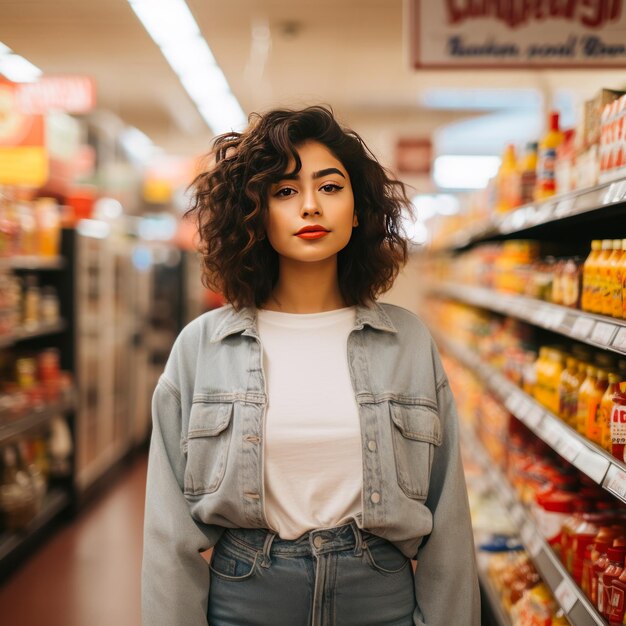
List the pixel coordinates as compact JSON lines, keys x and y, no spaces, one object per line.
{"x":320,"y":174}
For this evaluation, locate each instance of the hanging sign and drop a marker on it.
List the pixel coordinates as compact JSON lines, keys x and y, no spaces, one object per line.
{"x":71,"y":94}
{"x":23,"y":156}
{"x":517,"y":33}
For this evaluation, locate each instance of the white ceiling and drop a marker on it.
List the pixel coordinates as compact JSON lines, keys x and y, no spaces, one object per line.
{"x":348,"y":53}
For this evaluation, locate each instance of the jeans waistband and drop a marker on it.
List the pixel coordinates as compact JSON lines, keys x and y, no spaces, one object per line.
{"x":320,"y":541}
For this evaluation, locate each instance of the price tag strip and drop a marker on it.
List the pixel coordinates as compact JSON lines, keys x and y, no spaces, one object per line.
{"x":534,"y":417}
{"x":619,"y":341}
{"x":592,"y":463}
{"x":615,"y":482}
{"x":566,"y":595}
{"x":583,"y":326}
{"x":569,"y":447}
{"x":603,"y":333}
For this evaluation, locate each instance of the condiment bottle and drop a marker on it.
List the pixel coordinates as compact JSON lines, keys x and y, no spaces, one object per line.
{"x":554,"y":369}
{"x":610,"y":281}
{"x":605,"y":409}
{"x":589,"y":274}
{"x":594,"y":429}
{"x":613,"y":570}
{"x":584,"y":393}
{"x":569,"y":384}
{"x":618,"y":424}
{"x":546,"y":181}
{"x":571,"y":280}
{"x":552,"y":510}
{"x":540,"y":375}
{"x":619,"y":297}
{"x":598,"y":566}
{"x":529,"y":173}
{"x":582,"y":538}
{"x":618,"y":606}
{"x":601,"y":276}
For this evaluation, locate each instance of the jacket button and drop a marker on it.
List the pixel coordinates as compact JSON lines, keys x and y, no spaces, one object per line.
{"x":371,"y":445}
{"x":375,"y":497}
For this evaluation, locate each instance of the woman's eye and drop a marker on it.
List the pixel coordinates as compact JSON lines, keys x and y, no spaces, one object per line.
{"x":285,"y":192}
{"x":331,"y":187}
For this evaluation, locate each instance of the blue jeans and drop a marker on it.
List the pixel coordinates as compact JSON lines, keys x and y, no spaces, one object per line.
{"x":332,"y":577}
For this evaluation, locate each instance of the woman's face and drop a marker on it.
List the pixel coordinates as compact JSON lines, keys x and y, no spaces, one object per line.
{"x":319,"y":195}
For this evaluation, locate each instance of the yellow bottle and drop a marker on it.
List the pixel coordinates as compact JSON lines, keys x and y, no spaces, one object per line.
{"x":589,"y":274}
{"x":619,"y":295}
{"x":594,"y":427}
{"x":568,"y":390}
{"x":508,"y":181}
{"x":610,"y":281}
{"x":539,"y":391}
{"x":546,"y":180}
{"x":606,"y":405}
{"x":554,"y":369}
{"x":601,"y":274}
{"x":588,"y":385}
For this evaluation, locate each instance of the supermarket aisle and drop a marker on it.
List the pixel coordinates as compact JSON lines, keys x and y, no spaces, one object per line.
{"x":89,"y":572}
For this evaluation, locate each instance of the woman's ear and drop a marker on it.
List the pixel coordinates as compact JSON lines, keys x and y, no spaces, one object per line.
{"x":355,"y":221}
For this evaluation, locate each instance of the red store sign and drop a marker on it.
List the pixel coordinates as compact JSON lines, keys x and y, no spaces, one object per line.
{"x":71,"y":94}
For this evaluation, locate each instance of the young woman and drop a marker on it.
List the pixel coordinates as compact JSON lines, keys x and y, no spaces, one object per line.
{"x":304,"y":431}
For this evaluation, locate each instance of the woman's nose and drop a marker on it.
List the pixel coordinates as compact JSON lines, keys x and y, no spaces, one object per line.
{"x":310,"y":205}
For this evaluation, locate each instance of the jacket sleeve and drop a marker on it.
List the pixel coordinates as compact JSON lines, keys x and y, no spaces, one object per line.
{"x":175,"y":577}
{"x":446,"y":579}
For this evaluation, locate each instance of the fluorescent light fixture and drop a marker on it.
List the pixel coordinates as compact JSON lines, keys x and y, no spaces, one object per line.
{"x":189,"y":56}
{"x":167,"y":21}
{"x":464,"y":171}
{"x":174,"y":29}
{"x":16,"y":67}
{"x":429,"y":205}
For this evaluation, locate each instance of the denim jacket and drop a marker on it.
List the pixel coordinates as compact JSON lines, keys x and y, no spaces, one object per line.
{"x":205,"y":469}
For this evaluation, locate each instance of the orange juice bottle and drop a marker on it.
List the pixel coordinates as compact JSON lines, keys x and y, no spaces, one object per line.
{"x":587,"y":386}
{"x":601,"y":276}
{"x":554,"y":369}
{"x":594,"y":430}
{"x":619,"y":295}
{"x":589,"y":274}
{"x":539,"y":391}
{"x":606,"y":406}
{"x":610,"y":282}
{"x":569,"y":384}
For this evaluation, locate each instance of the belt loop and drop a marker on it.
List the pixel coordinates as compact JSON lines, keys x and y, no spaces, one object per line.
{"x":358,"y":539}
{"x":269,"y":538}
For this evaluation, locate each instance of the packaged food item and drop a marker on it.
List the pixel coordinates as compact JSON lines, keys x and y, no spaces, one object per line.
{"x":49,"y":226}
{"x":610,"y":282}
{"x":552,"y":511}
{"x":605,"y":410}
{"x":618,"y":605}
{"x":594,"y":426}
{"x":529,"y":173}
{"x":613,"y":570}
{"x":619,"y":296}
{"x":596,"y":303}
{"x":571,"y":282}
{"x":584,"y":393}
{"x":546,"y":181}
{"x":590,"y":268}
{"x":32,"y":297}
{"x":618,"y":424}
{"x":508,"y":181}
{"x":569,"y":384}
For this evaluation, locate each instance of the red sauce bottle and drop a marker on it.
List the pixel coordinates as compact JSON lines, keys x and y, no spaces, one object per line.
{"x":605,"y":579}
{"x":618,"y":597}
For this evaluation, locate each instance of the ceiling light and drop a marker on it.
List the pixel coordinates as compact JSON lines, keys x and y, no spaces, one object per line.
{"x":167,"y":21}
{"x":223,"y":114}
{"x":185,"y":57}
{"x":17,"y":68}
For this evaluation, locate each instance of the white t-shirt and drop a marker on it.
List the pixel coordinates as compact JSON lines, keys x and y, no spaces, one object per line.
{"x":313,"y":464}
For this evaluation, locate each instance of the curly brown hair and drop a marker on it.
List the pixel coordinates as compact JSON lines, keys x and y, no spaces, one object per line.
{"x":230,"y":200}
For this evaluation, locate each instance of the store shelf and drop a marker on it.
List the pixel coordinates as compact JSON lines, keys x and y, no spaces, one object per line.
{"x":495,"y":604}
{"x":602,"y":199}
{"x":23,"y":333}
{"x":55,"y":503}
{"x":576,"y":606}
{"x":32,"y":263}
{"x":32,"y":420}
{"x":589,"y":458}
{"x":596,"y":330}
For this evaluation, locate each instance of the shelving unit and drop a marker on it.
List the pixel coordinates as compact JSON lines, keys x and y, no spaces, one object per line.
{"x":33,"y":263}
{"x":497,"y":612}
{"x":605,"y":201}
{"x":596,"y":330}
{"x":21,"y":334}
{"x":576,"y":606}
{"x":589,"y":458}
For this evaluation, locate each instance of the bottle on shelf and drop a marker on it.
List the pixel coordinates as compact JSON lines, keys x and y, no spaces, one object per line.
{"x":586,"y":389}
{"x":597,"y":294}
{"x":507,"y":181}
{"x":618,"y":604}
{"x":590,"y":269}
{"x":606,"y":407}
{"x":619,"y":295}
{"x":618,"y":424}
{"x":546,"y":180}
{"x":615,"y":566}
{"x":594,"y":428}
{"x":528,"y":177}
{"x":611,"y":278}
{"x":569,"y":385}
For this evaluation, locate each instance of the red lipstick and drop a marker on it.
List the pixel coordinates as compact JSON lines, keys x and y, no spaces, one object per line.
{"x":312,"y":231}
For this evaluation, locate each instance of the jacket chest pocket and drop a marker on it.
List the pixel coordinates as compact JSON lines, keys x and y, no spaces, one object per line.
{"x":208,"y":441}
{"x":416,"y":431}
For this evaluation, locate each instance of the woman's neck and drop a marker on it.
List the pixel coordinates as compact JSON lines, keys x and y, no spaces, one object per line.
{"x":306,"y":288}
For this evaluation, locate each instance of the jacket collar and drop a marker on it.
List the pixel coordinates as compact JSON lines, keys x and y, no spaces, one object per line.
{"x":245,"y":320}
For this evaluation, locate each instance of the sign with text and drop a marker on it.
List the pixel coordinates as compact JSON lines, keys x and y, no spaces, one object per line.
{"x":517,"y":33}
{"x":72,"y":94}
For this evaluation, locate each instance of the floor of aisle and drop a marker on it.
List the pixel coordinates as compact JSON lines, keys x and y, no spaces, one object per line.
{"x":89,"y":571}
